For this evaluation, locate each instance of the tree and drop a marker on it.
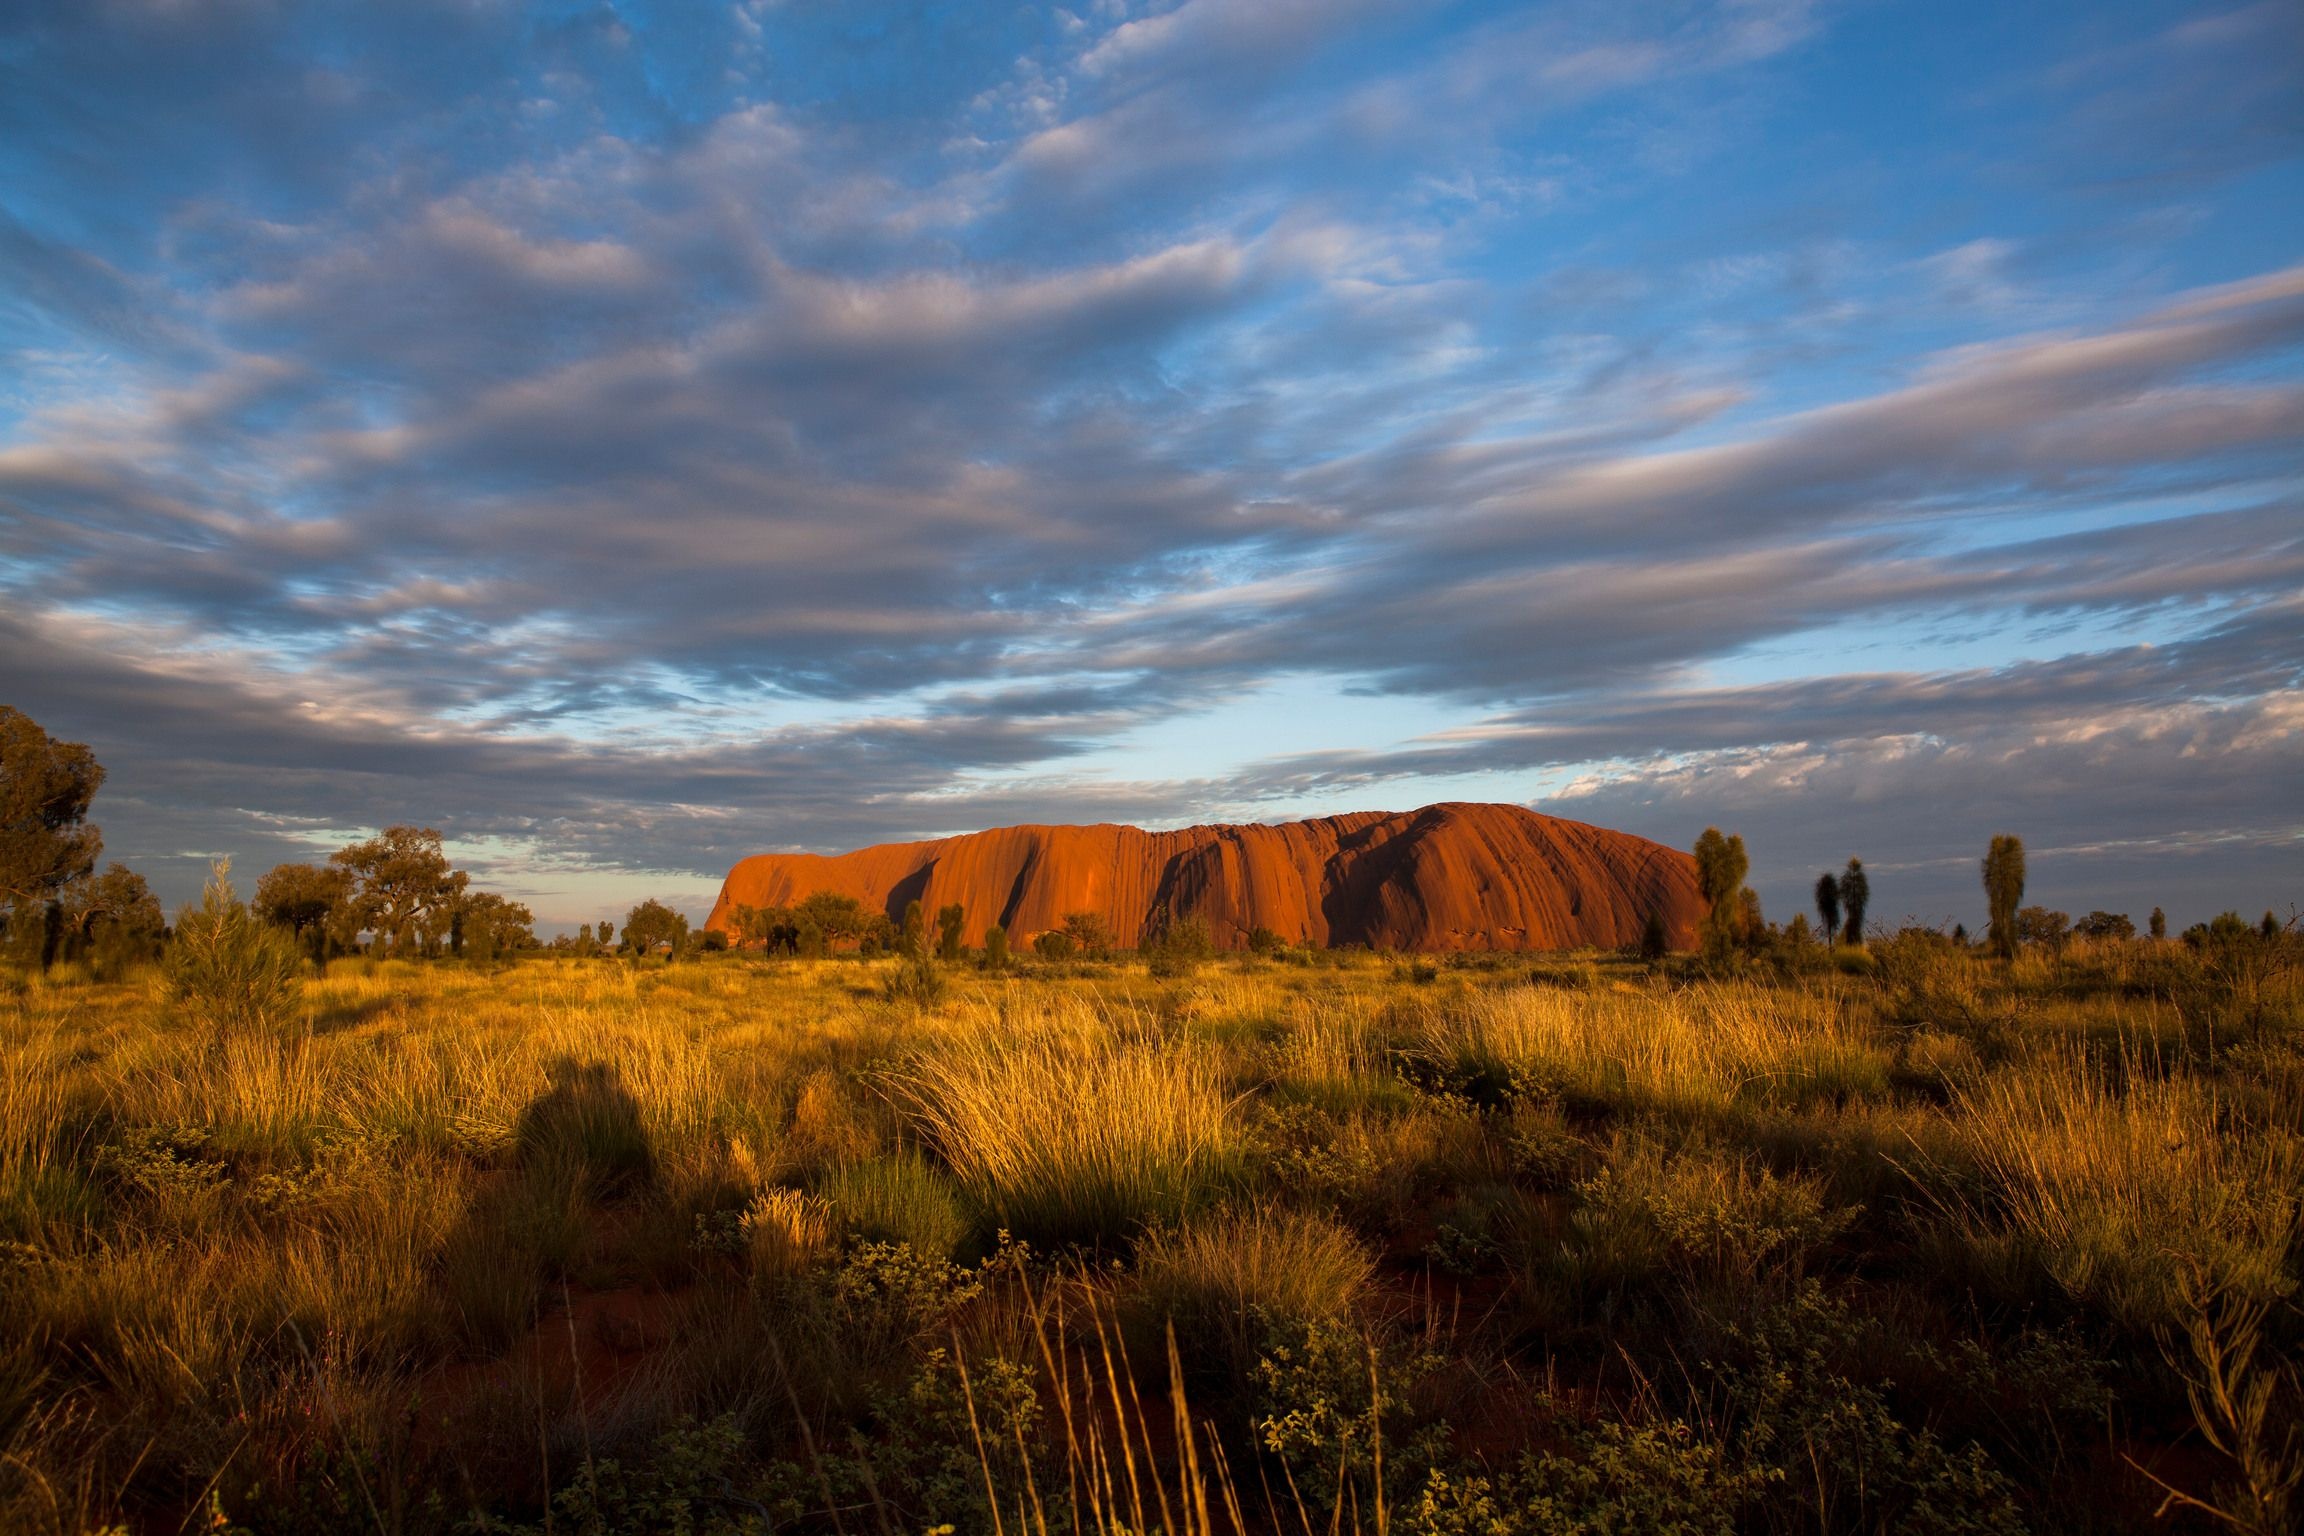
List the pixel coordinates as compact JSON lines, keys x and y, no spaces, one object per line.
{"x":2223,"y":931}
{"x":1720,"y":867}
{"x":776,"y":929}
{"x":1264,"y":941}
{"x":114,"y":918}
{"x":1751,"y":925}
{"x":46,"y":842}
{"x":2159,"y":923}
{"x":311,"y":901}
{"x":119,"y":895}
{"x":749,"y":924}
{"x":1089,"y":932}
{"x":1828,"y":903}
{"x":950,"y":923}
{"x":1654,"y":942}
{"x":486,"y":925}
{"x":2039,"y":925}
{"x":652,"y":923}
{"x":607,"y":934}
{"x":914,"y":944}
{"x":1182,"y":943}
{"x":1855,"y":895}
{"x":833,"y":917}
{"x":1055,"y":944}
{"x":405,"y":889}
{"x":995,"y":948}
{"x":2104,"y":925}
{"x":2004,"y":891}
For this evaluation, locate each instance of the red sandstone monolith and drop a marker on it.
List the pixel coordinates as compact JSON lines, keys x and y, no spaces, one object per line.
{"x":1448,"y":877}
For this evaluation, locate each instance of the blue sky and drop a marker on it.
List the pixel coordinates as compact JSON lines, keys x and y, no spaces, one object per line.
{"x":633,"y":436}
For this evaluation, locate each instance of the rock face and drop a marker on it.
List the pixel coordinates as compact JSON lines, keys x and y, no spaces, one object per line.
{"x":1448,"y":877}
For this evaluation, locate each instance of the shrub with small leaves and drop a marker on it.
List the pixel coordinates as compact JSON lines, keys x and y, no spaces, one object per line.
{"x":682,"y":1486}
{"x":916,"y":982}
{"x":1621,"y":1477}
{"x":1794,"y":1416}
{"x":1328,"y":1395}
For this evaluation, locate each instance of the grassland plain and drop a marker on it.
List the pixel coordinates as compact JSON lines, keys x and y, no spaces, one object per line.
{"x":1901,"y":1240}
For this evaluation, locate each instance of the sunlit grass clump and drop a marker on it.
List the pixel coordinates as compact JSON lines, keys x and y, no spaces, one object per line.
{"x":2123,"y":1186}
{"x":1076,"y":1127}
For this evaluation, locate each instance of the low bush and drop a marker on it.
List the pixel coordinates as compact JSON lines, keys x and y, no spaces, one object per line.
{"x":1707,"y":1217}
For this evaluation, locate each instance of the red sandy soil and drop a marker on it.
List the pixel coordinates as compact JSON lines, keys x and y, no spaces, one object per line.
{"x":1448,"y":877}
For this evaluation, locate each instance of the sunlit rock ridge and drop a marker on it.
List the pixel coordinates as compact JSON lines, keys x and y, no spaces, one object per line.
{"x":1447,"y":877}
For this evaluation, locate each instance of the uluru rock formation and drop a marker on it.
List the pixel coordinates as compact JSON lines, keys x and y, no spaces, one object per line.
{"x":1448,"y":877}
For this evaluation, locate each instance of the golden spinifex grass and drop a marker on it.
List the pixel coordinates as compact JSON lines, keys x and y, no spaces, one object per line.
{"x":1576,"y":1244}
{"x":1076,"y":1122}
{"x":2119,"y":1180}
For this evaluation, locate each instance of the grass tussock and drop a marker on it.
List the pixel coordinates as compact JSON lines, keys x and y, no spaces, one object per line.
{"x":2117,"y":1190}
{"x":1226,"y":1280}
{"x":1076,"y":1128}
{"x":900,"y":1198}
{"x":1702,"y":1218}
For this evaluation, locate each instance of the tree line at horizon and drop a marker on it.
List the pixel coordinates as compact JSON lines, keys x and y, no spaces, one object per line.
{"x":1733,"y":927}
{"x":396,"y":895}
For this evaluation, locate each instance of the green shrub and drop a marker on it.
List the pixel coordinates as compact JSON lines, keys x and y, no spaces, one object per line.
{"x":916,"y":982}
{"x":948,"y":1436}
{"x":1329,"y":1398}
{"x":229,"y":971}
{"x":1706,"y":1218}
{"x":1180,"y":948}
{"x":1793,"y":1417}
{"x":680,"y":1486}
{"x":1650,"y":1478}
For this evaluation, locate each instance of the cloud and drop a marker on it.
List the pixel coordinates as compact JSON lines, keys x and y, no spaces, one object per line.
{"x":1549,"y":564}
